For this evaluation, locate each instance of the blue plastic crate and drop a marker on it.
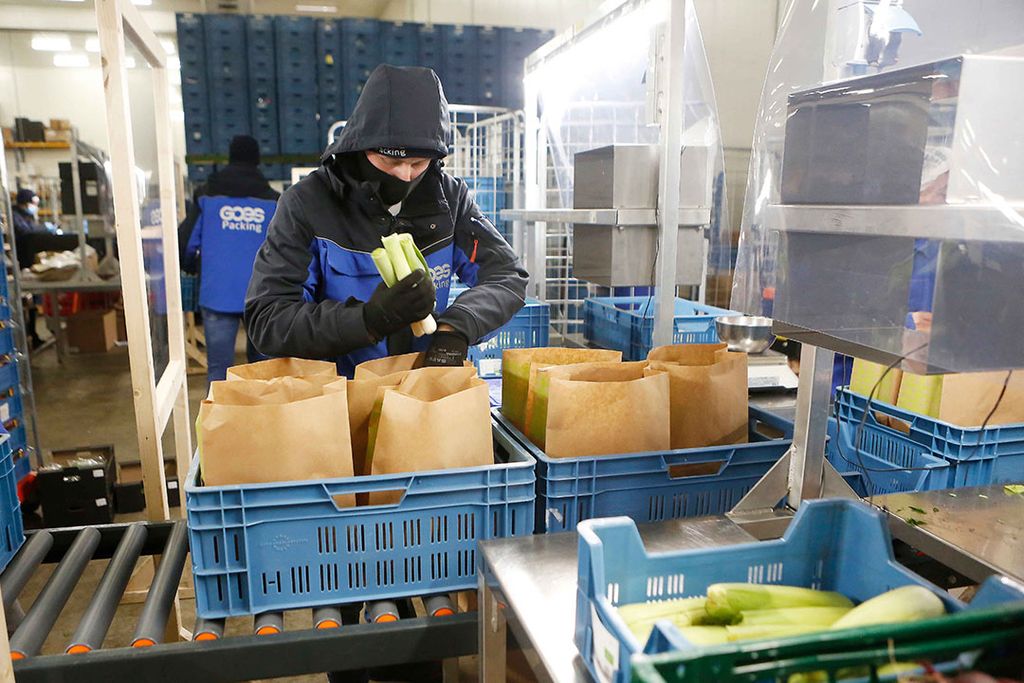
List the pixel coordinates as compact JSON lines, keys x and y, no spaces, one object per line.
{"x":975,"y":457}
{"x":189,"y":292}
{"x":399,"y":43}
{"x":655,"y":486}
{"x":198,"y":173}
{"x":8,"y":373}
{"x":431,"y":48}
{"x":854,"y":558}
{"x":6,"y":339}
{"x":627,"y":324}
{"x":11,"y":406}
{"x":529,"y":328}
{"x":12,"y":533}
{"x":285,"y":546}
{"x":880,"y":460}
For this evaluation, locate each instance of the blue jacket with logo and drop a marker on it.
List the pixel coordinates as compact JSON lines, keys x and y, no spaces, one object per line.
{"x":229,"y":232}
{"x":314,"y":272}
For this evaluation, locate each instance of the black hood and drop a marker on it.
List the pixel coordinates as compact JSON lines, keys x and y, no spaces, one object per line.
{"x":400,"y":106}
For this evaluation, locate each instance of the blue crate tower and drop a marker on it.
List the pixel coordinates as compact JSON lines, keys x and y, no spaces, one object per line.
{"x":360,"y":45}
{"x":329,"y":75}
{"x":192,"y":54}
{"x":460,"y":81}
{"x":489,"y":67}
{"x":12,"y":532}
{"x":295,"y":47}
{"x":227,"y":78}
{"x":15,"y":461}
{"x":399,"y":43}
{"x":259,"y":36}
{"x":431,"y":48}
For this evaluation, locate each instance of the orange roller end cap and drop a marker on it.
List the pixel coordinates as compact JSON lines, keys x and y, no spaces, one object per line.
{"x":385,"y":618}
{"x":328,"y":623}
{"x":144,"y":642}
{"x":15,"y":656}
{"x":267,"y":630}
{"x":206,"y":635}
{"x":444,"y":612}
{"x":79,"y":649}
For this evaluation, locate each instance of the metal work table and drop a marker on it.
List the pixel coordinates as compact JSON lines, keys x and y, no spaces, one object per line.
{"x":534,"y":578}
{"x":977,"y":531}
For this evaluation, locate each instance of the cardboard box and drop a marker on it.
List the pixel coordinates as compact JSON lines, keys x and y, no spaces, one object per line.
{"x":122,"y":325}
{"x":8,"y":136}
{"x":57,"y":135}
{"x":92,"y":331}
{"x":60,"y":124}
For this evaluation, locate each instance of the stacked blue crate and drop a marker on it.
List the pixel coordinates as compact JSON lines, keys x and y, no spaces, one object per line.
{"x":295,"y":47}
{"x":360,"y":55}
{"x":196,"y":105}
{"x":516,"y":46}
{"x":329,"y":75}
{"x":399,"y":43}
{"x":12,"y":414}
{"x":227,"y":78}
{"x":489,"y":70}
{"x":259,"y":38}
{"x":461,"y":83}
{"x":431,"y":48}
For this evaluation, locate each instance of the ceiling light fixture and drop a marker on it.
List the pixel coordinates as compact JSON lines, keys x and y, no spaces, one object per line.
{"x":168,"y":45}
{"x":51,"y":42}
{"x":73,"y":60}
{"x":317,"y":9}
{"x":142,"y":3}
{"x":92,"y":44}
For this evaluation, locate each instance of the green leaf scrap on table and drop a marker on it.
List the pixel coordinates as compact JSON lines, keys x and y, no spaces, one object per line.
{"x":917,"y":510}
{"x":914,"y":522}
{"x":1014,"y":489}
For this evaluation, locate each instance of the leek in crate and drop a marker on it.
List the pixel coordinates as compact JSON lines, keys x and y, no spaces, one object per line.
{"x":729,"y":599}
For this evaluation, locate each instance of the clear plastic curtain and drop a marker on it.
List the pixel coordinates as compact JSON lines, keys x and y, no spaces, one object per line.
{"x":824,"y":41}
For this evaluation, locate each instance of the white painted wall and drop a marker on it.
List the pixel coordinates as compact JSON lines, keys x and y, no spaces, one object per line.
{"x":546,"y":14}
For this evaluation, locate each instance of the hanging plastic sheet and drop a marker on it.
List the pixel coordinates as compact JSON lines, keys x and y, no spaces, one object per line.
{"x":882,"y":209}
{"x":597,"y":90}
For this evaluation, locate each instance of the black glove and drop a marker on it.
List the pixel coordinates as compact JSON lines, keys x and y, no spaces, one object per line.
{"x":390,"y":309}
{"x":447,"y":349}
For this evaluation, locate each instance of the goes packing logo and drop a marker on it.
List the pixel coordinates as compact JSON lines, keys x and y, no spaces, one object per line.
{"x":244,"y":218}
{"x":440,"y":275}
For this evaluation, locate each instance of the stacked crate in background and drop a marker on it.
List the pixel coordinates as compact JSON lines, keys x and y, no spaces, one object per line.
{"x":360,"y":54}
{"x":460,"y":68}
{"x":259,"y":38}
{"x":12,"y":413}
{"x":297,"y":85}
{"x":399,"y":43}
{"x":227,"y":78}
{"x":488,"y":64}
{"x":431,"y":48}
{"x":285,"y":80}
{"x":329,"y":74}
{"x":192,"y":51}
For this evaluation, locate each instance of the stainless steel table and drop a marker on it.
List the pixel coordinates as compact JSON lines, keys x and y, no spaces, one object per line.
{"x":530,"y":584}
{"x":977,"y":531}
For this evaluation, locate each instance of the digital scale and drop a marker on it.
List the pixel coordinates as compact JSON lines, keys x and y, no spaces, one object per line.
{"x":769,"y":370}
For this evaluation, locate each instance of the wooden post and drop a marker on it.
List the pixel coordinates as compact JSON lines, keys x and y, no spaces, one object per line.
{"x":156,"y":398}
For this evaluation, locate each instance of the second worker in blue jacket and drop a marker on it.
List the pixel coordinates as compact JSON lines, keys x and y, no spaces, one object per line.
{"x":315,"y":291}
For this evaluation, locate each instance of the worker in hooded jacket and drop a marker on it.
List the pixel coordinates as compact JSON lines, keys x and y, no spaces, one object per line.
{"x":315,"y":291}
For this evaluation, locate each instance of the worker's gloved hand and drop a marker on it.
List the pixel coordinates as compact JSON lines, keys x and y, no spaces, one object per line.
{"x":390,"y":309}
{"x":447,"y":349}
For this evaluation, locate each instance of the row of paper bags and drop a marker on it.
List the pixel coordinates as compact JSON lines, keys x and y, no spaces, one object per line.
{"x":289,"y":419}
{"x":584,"y":402}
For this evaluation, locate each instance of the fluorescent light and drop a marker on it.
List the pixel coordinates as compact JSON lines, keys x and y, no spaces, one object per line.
{"x":92,"y":44}
{"x":142,"y":3}
{"x":129,"y":62}
{"x":320,"y":9}
{"x":71,"y":59}
{"x":168,"y":45}
{"x":174,"y":64}
{"x":51,"y":42}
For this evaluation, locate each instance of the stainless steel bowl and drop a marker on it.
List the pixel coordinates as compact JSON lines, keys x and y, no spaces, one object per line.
{"x":747,"y":333}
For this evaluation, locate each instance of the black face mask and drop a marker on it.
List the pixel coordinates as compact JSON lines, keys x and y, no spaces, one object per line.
{"x":390,"y":189}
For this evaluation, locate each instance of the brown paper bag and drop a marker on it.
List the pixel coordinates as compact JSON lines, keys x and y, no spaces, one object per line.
{"x":516,"y":366}
{"x":964,"y":399}
{"x":362,"y":394}
{"x":708,"y":388}
{"x":388,"y":365}
{"x":288,"y":429}
{"x":605,"y":408}
{"x":436,"y":418}
{"x":283,"y":367}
